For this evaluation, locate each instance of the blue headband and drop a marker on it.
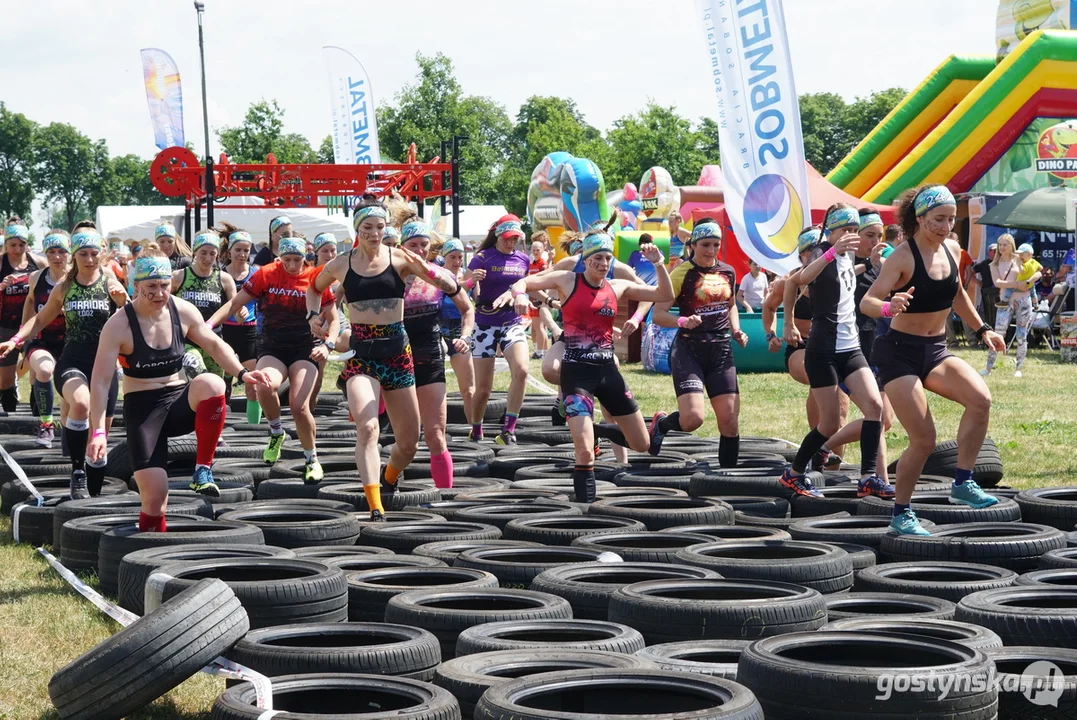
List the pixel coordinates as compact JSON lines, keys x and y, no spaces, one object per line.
{"x":414,"y":229}
{"x":870,"y":219}
{"x":152,"y":268}
{"x":706,"y":230}
{"x":842,"y":217}
{"x":87,"y":239}
{"x":575,"y":246}
{"x":597,"y":243}
{"x":509,"y":228}
{"x":930,"y":198}
{"x":240,"y":236}
{"x":206,"y":238}
{"x":371,"y":211}
{"x":164,"y":230}
{"x":324,"y":239}
{"x":452,"y":246}
{"x":17,"y":231}
{"x":55,"y":240}
{"x":276,"y":223}
{"x":808,"y":239}
{"x":292,"y":246}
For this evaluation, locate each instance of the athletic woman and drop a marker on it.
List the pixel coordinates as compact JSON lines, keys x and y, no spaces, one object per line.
{"x":373,"y":278}
{"x":87,"y":297}
{"x":588,"y":370}
{"x":912,"y":356}
{"x":203,"y":285}
{"x":701,"y":358}
{"x":240,"y":330}
{"x":499,"y":327}
{"x":16,"y":264}
{"x":325,"y":249}
{"x":422,"y":305}
{"x":279,"y":227}
{"x":1004,"y":270}
{"x":452,"y":325}
{"x":148,"y":339}
{"x":286,"y":348}
{"x":833,"y":356}
{"x":390,"y":238}
{"x":42,"y":351}
{"x":171,"y":244}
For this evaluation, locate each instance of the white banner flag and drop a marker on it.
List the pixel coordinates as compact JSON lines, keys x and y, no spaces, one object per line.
{"x":766,"y":179}
{"x":355,"y":127}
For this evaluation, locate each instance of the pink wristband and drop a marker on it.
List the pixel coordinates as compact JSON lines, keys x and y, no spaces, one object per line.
{"x":886,"y":312}
{"x":432,"y":274}
{"x":682,"y":321}
{"x":637,"y":318}
{"x":830,"y":254}
{"x":469,"y":283}
{"x":98,"y":433}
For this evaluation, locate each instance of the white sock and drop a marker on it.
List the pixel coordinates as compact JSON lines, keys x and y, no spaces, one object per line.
{"x":275,"y":427}
{"x":311,"y":454}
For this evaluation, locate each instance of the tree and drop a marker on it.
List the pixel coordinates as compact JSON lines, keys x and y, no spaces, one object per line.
{"x":16,"y":163}
{"x":832,"y":128}
{"x":325,"y":151}
{"x":863,"y":114}
{"x":67,"y":167}
{"x":657,"y":136}
{"x":130,"y":182}
{"x":261,"y":133}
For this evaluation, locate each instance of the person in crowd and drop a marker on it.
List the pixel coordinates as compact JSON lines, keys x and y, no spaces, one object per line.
{"x":539,"y":340}
{"x":203,"y":285}
{"x":753,"y":288}
{"x":1016,"y":301}
{"x":323,"y":249}
{"x":679,"y":237}
{"x":981,"y":278}
{"x":1045,"y":286}
{"x":279,"y":227}
{"x":240,"y":329}
{"x":894,"y":235}
{"x":452,"y":324}
{"x":923,"y":282}
{"x":172,"y":245}
{"x":16,"y":265}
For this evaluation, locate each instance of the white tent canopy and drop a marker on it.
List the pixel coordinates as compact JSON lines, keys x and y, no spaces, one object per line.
{"x":475,"y":220}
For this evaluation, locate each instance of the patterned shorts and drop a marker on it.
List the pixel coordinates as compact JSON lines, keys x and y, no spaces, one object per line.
{"x":393,"y":372}
{"x":487,"y":339}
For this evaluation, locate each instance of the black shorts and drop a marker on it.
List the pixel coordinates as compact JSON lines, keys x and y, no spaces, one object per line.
{"x":51,"y":347}
{"x":899,"y":354}
{"x":429,"y":357}
{"x":789,"y":350}
{"x":583,"y":383}
{"x":243,"y":339}
{"x":288,"y":356}
{"x":830,"y":369}
{"x":697,"y":366}
{"x":867,"y":341}
{"x":12,"y":358}
{"x":76,"y":361}
{"x":151,"y":417}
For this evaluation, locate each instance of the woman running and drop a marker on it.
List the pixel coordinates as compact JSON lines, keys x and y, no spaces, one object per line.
{"x":912,"y":356}
{"x":701,"y":358}
{"x":171,"y":244}
{"x":833,"y":356}
{"x":1018,"y":307}
{"x":279,"y":227}
{"x":240,"y":330}
{"x":87,"y":297}
{"x":286,"y":348}
{"x":325,"y":249}
{"x":148,"y":339}
{"x":422,"y":305}
{"x":373,"y":278}
{"x":452,"y":325}
{"x":588,"y":371}
{"x":16,"y":265}
{"x":43,"y":350}
{"x":203,"y":285}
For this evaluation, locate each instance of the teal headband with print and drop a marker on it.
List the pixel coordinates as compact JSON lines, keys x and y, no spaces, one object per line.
{"x":509,"y":228}
{"x":706,"y":230}
{"x":452,"y":246}
{"x":414,"y":229}
{"x":930,"y":198}
{"x":87,"y":239}
{"x":240,"y":236}
{"x":391,"y":233}
{"x":17,"y":231}
{"x":152,"y":268}
{"x":55,"y":240}
{"x":324,"y":239}
{"x":842,"y":217}
{"x":292,"y":246}
{"x":574,"y":247}
{"x":206,"y":238}
{"x":597,"y":243}
{"x":808,"y":239}
{"x":870,"y":219}
{"x":278,"y":222}
{"x":371,"y":211}
{"x":164,"y":230}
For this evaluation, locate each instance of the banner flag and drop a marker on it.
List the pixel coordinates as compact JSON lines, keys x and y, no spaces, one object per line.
{"x":165,"y":97}
{"x":355,"y":127}
{"x":766,"y":178}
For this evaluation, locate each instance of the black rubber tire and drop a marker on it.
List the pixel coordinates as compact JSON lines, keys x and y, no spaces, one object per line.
{"x":661,"y":513}
{"x":138,"y":565}
{"x":815,"y":565}
{"x":281,"y":503}
{"x":83,"y":536}
{"x":447,"y":550}
{"x":14,"y":492}
{"x":296,"y":527}
{"x":837,"y":498}
{"x":518,"y":567}
{"x":717,"y":658}
{"x":891,"y":605}
{"x":291,"y":488}
{"x":1054,"y":506}
{"x":464,"y":485}
{"x":861,"y":556}
{"x":231,"y":492}
{"x":761,"y":505}
{"x":346,"y":647}
{"x":988,"y":470}
{"x":1013,"y":667}
{"x":946,"y":580}
{"x":936,"y":507}
{"x":676,"y":478}
{"x":732,"y":532}
{"x":408,"y":495}
{"x":739,"y":481}
{"x":674,"y":610}
{"x":447,"y":613}
{"x":503,"y":496}
{"x":1016,"y":546}
{"x":746,"y":519}
{"x":836,"y":675}
{"x":343,"y":695}
{"x":1064,"y":577}
{"x":358,"y":563}
{"x":151,"y":656}
{"x":860,"y":529}
{"x":564,"y":530}
{"x":115,"y":505}
{"x":500,"y":515}
{"x":1059,"y":558}
{"x":404,"y":537}
{"x":447,"y":509}
{"x":370,"y":590}
{"x":961,"y":633}
{"x":563,"y":486}
{"x":654,"y":694}
{"x":544,"y":634}
{"x":1025,"y":614}
{"x":32,"y":525}
{"x":648,"y":547}
{"x":317,"y":552}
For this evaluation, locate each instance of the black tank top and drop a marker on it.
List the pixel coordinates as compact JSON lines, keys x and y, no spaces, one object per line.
{"x":15,"y":293}
{"x":147,"y":363}
{"x":386,"y":285}
{"x":930,"y":295}
{"x":802,"y":310}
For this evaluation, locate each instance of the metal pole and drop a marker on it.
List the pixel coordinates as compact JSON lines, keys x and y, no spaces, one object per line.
{"x":444,"y":175}
{"x":457,"y":141}
{"x":199,"y":8}
{"x":197,"y":219}
{"x":210,"y":186}
{"x":187,"y":224}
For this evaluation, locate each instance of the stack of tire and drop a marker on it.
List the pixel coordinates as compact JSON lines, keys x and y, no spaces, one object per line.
{"x":685,"y":590}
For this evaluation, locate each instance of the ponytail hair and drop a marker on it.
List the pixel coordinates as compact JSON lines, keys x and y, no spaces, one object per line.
{"x":906,"y":212}
{"x":567,"y":239}
{"x":490,"y":240}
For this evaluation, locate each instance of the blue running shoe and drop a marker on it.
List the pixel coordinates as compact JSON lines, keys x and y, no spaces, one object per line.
{"x":971,"y":494}
{"x":203,"y":484}
{"x":907,"y":524}
{"x":874,"y":485}
{"x":799,"y":483}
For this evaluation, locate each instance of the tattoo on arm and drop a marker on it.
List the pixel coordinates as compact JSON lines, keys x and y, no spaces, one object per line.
{"x":376,"y":306}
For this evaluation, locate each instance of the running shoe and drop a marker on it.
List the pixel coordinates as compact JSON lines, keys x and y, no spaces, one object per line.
{"x":387,"y":488}
{"x":45,"y":435}
{"x":472,"y":437}
{"x":874,"y":485}
{"x":799,"y":483}
{"x":1017,"y":374}
{"x":969,"y":493}
{"x":202,"y":482}
{"x":377,"y":516}
{"x":272,"y":451}
{"x":506,"y":438}
{"x":655,"y":431}
{"x":79,"y":490}
{"x":313,"y":473}
{"x":907,"y":524}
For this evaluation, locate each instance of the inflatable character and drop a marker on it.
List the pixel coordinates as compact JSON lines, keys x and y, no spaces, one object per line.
{"x":566,"y":192}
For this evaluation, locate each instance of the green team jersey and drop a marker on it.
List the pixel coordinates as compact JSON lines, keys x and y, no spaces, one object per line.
{"x":86,"y":310}
{"x":205,"y":293}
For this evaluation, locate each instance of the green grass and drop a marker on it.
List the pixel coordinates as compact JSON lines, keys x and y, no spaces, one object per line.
{"x":46,"y":625}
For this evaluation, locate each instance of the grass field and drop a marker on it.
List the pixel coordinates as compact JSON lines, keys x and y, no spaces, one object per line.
{"x":46,"y":625}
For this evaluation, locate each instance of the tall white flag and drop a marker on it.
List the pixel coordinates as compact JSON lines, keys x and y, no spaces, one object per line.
{"x":766,"y":179}
{"x":355,"y":127}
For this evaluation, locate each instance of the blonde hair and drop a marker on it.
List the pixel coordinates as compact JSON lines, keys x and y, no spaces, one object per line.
{"x":1007,"y":239}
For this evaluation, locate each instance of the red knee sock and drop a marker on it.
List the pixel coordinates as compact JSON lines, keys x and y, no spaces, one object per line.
{"x":441,"y":469}
{"x":151,"y":523}
{"x":208,"y":424}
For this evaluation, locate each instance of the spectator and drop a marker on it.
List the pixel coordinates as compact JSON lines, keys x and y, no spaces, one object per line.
{"x":1065,"y":277}
{"x":1045,"y":287}
{"x":893,"y":235}
{"x":753,"y":288}
{"x":988,"y":292}
{"x":964,"y":272}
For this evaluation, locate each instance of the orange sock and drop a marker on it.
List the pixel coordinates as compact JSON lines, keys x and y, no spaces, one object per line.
{"x":373,"y":497}
{"x":391,"y":474}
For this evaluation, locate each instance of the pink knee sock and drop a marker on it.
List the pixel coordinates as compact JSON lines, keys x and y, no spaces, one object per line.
{"x":381,"y":406}
{"x":441,"y":469}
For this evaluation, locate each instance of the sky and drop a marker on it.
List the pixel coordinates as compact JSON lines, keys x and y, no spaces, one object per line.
{"x":78,"y":62}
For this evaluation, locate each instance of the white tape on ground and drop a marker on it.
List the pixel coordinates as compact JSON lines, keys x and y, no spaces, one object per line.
{"x":15,"y":512}
{"x":155,"y":590}
{"x":21,"y":476}
{"x":269,"y":714}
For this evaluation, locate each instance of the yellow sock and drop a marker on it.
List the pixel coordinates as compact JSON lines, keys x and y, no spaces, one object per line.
{"x":373,"y":497}
{"x":391,"y":474}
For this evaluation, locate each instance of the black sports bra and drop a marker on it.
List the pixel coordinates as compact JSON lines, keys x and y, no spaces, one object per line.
{"x":384,"y":286}
{"x":147,"y":363}
{"x":802,"y":310}
{"x":930,"y":295}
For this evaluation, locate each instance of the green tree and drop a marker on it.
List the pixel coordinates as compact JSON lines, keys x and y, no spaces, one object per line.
{"x":261,"y":133}
{"x":832,"y":128}
{"x":16,"y":163}
{"x":863,"y":114}
{"x":325,"y":151}
{"x":657,"y":136}
{"x":67,"y":167}
{"x":130,"y":183}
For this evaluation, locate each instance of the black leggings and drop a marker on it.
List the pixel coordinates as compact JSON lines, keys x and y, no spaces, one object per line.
{"x":76,"y":361}
{"x":153,"y":416}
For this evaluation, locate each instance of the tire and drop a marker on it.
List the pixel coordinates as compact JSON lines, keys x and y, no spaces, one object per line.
{"x":563,"y":530}
{"x":119,"y":505}
{"x":357,"y":563}
{"x":815,"y":565}
{"x":447,"y":550}
{"x":1014,"y":666}
{"x":319,"y":552}
{"x":988,"y":470}
{"x":290,"y":488}
{"x":447,"y":613}
{"x":761,"y":505}
{"x":83,"y":536}
{"x":732,"y":532}
{"x":860,"y":529}
{"x":138,"y":565}
{"x":1064,"y":577}
{"x":647,"y":547}
{"x":342,"y":695}
{"x":717,"y":658}
{"x":31,"y":524}
{"x":500,"y":515}
{"x":518,"y":567}
{"x":655,"y":694}
{"x":447,"y":509}
{"x":273,"y":591}
{"x":562,"y":486}
{"x":891,"y":605}
{"x":14,"y":492}
{"x":1025,"y":614}
{"x":148,"y":658}
{"x":675,"y":610}
{"x":506,"y":465}
{"x":936,"y":507}
{"x":404,"y":537}
{"x":966,"y":634}
{"x":407,"y":495}
{"x":549,"y":634}
{"x":946,"y":580}
{"x":780,"y":523}
{"x":1055,"y":506}
{"x":469,"y":676}
{"x":861,"y":556}
{"x":1058,"y":559}
{"x":661,"y":513}
{"x":677,"y":479}
{"x":1015,"y":546}
{"x":370,"y":590}
{"x":588,"y":587}
{"x":841,"y":678}
{"x":280,"y":504}
{"x":347,"y":647}
{"x":464,"y":485}
{"x":739,"y":481}
{"x":838,"y":498}
{"x":624,"y":492}
{"x":501,"y":496}
{"x":231,"y":491}
{"x":300,"y":527}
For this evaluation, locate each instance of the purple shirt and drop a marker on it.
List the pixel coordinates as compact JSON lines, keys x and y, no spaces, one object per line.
{"x":501,"y":272}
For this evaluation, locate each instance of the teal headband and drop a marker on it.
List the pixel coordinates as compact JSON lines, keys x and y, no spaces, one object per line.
{"x":206,"y":238}
{"x":706,"y":230}
{"x":17,"y":231}
{"x":371,"y":211}
{"x":391,"y":233}
{"x":152,"y":268}
{"x":575,"y":246}
{"x":414,"y":229}
{"x":55,"y":240}
{"x":240,"y":236}
{"x":870,"y":219}
{"x":808,"y":239}
{"x":276,"y":223}
{"x":597,"y":243}
{"x":324,"y":239}
{"x":164,"y":230}
{"x":509,"y":228}
{"x":452,"y":246}
{"x":842,"y":217}
{"x":930,"y":198}
{"x":87,"y":239}
{"x":292,"y":246}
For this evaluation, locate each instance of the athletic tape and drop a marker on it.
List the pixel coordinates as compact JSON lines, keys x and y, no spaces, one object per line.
{"x":114,"y":611}
{"x":268,"y":714}
{"x":609,"y":557}
{"x":21,"y":476}
{"x":15,"y":521}
{"x":155,"y":590}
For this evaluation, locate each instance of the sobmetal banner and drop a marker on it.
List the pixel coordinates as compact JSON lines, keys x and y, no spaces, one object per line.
{"x":766,"y":179}
{"x":164,"y":96}
{"x":355,"y":128}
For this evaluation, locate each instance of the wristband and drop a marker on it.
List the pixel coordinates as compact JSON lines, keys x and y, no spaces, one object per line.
{"x":830,"y":254}
{"x":682,"y":321}
{"x":98,"y":433}
{"x":771,"y":336}
{"x":241,"y":374}
{"x":886,"y":311}
{"x":469,"y":283}
{"x":982,"y":330}
{"x":637,"y":318}
{"x":18,"y":341}
{"x":520,"y":294}
{"x":432,"y":274}
{"x":312,"y":314}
